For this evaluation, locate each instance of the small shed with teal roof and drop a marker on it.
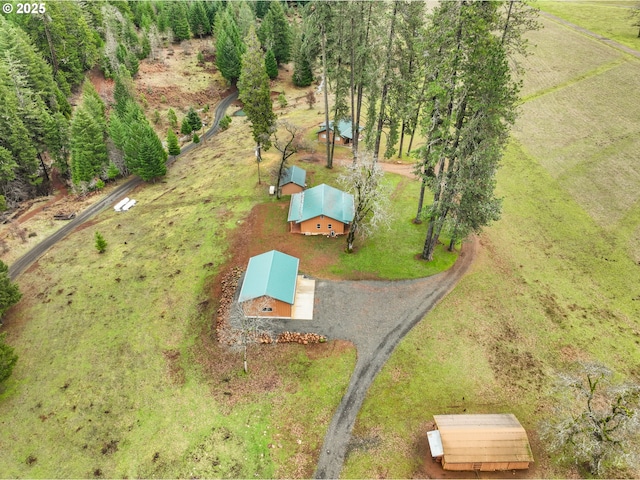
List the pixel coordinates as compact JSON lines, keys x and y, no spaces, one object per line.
{"x":321,"y":210}
{"x":293,"y":180}
{"x":345,"y":132}
{"x":269,"y":285}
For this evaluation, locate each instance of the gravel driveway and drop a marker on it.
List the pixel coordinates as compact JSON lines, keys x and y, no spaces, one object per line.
{"x":375,"y":316}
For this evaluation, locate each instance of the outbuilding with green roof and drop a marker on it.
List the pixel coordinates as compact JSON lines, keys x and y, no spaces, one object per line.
{"x":293,"y":180}
{"x":269,"y":285}
{"x":321,"y":210}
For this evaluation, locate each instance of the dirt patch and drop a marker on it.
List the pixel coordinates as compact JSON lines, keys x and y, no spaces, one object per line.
{"x":334,"y":348}
{"x":269,"y":221}
{"x":174,"y":367}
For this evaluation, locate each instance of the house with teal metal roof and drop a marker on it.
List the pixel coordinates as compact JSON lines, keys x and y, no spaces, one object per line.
{"x":321,"y":210}
{"x":269,"y":285}
{"x":345,"y":132}
{"x":293,"y":180}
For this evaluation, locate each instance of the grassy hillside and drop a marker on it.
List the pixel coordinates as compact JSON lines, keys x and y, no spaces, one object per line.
{"x":119,"y":374}
{"x":557,"y":278}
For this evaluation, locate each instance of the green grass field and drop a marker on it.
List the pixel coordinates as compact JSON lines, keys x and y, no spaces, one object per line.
{"x":556,"y":279}
{"x":119,"y":375}
{"x":609,"y":18}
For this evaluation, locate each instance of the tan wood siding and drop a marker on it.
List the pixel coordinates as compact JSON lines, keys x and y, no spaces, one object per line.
{"x":322,"y":137}
{"x":254,"y":308}
{"x":326,"y":226}
{"x":290,"y":189}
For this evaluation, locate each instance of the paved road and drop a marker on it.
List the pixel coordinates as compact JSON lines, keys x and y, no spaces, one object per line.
{"x":36,"y":252}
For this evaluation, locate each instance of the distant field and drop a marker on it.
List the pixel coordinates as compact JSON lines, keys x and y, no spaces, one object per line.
{"x":559,"y":55}
{"x":587,"y":135}
{"x":609,"y":18}
{"x":557,"y":278}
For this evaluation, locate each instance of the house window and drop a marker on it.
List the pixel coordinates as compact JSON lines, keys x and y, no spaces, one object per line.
{"x":318,"y":226}
{"x":324,"y":135}
{"x":329,"y":226}
{"x":267,"y":309}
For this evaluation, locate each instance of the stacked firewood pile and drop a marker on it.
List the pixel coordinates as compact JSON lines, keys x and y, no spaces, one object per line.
{"x":228,"y":335}
{"x":228,"y":286}
{"x":303,"y":338}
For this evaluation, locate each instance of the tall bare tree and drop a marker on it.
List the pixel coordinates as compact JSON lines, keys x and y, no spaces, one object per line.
{"x":363,"y":179}
{"x":248,"y":329}
{"x":287,"y":139}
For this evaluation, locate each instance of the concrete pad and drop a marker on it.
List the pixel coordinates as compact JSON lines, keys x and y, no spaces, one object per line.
{"x":302,"y":308}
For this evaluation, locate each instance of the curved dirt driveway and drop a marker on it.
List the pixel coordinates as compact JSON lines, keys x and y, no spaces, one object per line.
{"x":375,"y":316}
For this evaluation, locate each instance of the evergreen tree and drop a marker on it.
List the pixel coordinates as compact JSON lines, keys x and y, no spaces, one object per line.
{"x":277,"y":33}
{"x":173,"y":119}
{"x":112,"y":171}
{"x":229,"y":47}
{"x":101,"y":243}
{"x":186,"y":127}
{"x":172,"y":143}
{"x":65,"y":39}
{"x":9,"y":291}
{"x":253,"y":87}
{"x":302,"y":71}
{"x":262,"y":7}
{"x":198,"y":20}
{"x":89,"y":131}
{"x":468,"y":125}
{"x":179,"y":21}
{"x":8,"y":358}
{"x":194,"y":120}
{"x":271,"y":65}
{"x":196,"y":138}
{"x":144,"y":154}
{"x":244,"y":17}
{"x":88,"y":147}
{"x":122,"y":92}
{"x":14,"y":135}
{"x":7,"y":166}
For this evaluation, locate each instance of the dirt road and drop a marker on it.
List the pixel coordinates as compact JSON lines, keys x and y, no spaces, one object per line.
{"x":36,"y":252}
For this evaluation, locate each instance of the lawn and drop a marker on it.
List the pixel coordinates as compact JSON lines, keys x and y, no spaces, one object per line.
{"x":556,"y":279}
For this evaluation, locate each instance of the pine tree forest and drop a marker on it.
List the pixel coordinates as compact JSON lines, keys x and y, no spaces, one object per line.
{"x":394,"y":69}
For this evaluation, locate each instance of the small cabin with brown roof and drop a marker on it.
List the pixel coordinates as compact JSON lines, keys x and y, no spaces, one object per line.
{"x":480,"y":442}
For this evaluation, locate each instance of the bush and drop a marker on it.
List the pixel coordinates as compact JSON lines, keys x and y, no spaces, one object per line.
{"x":101,"y":243}
{"x":196,"y":138}
{"x":225,"y":122}
{"x":282,"y":100}
{"x":99,"y":184}
{"x":9,"y":291}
